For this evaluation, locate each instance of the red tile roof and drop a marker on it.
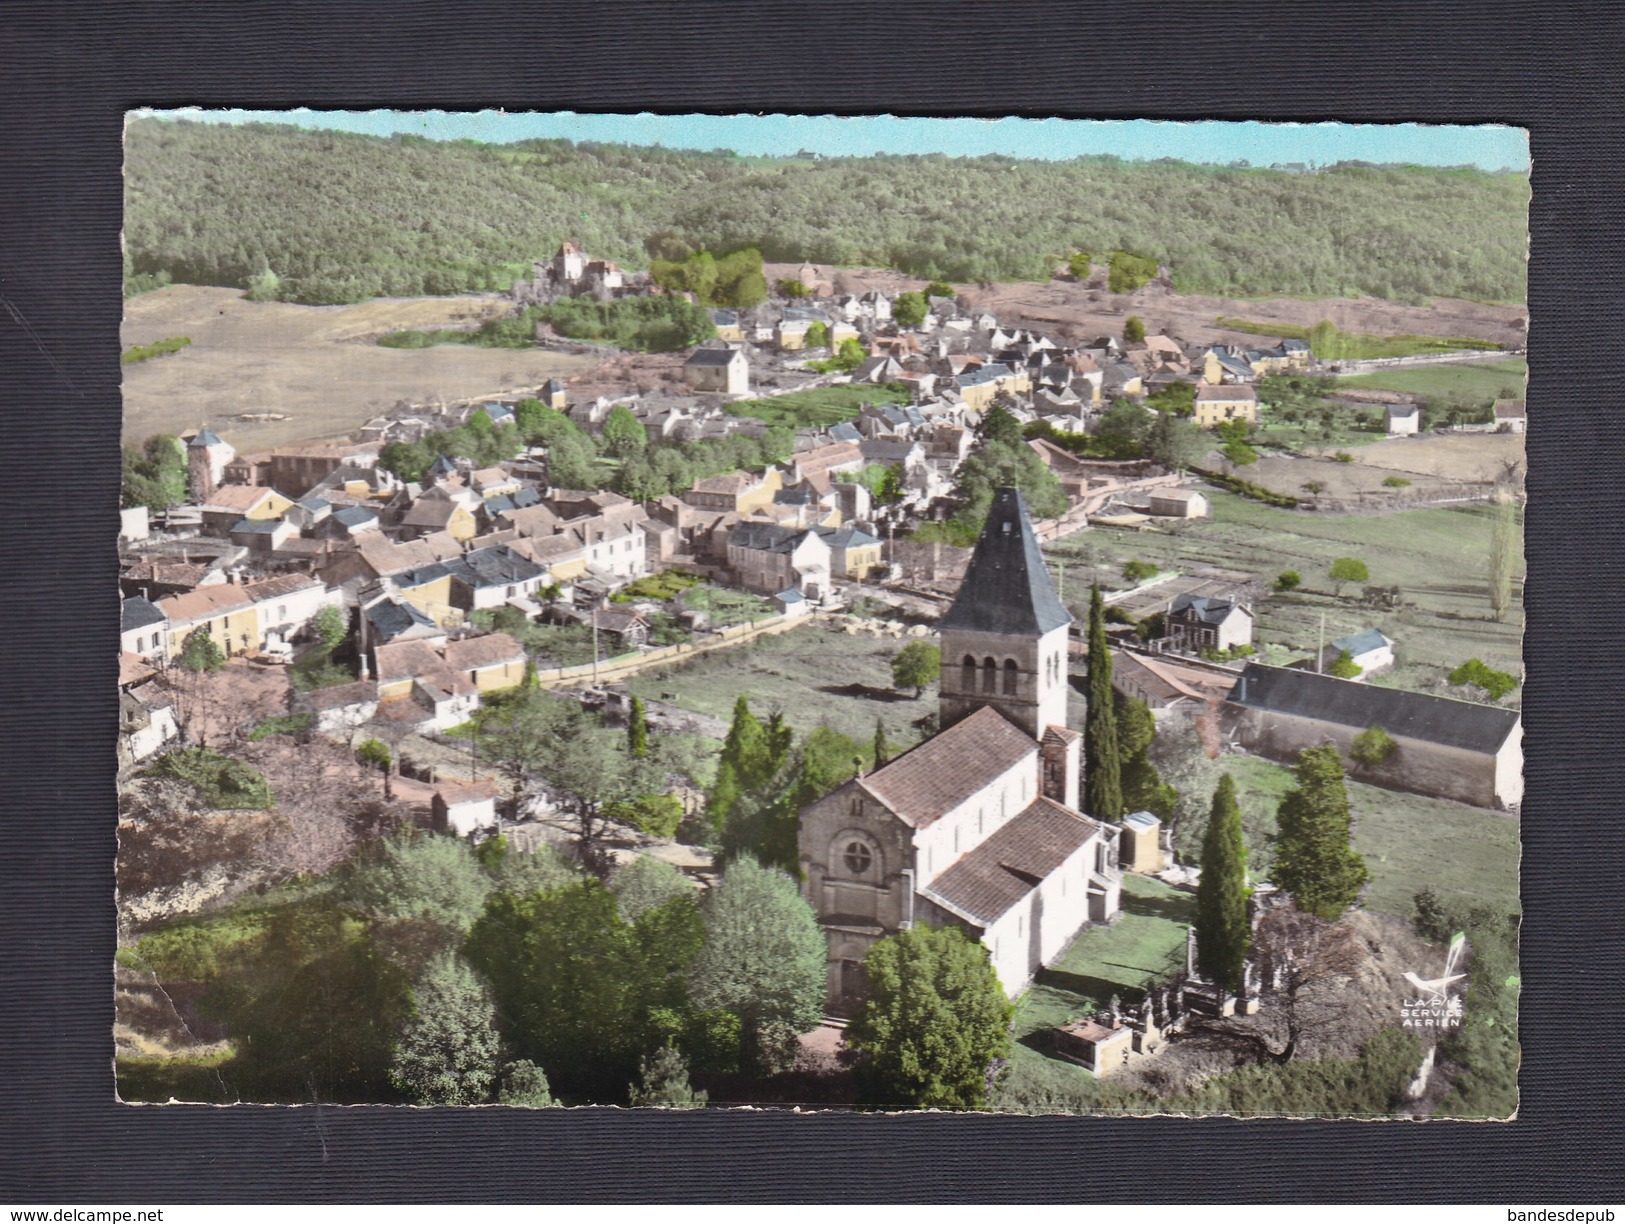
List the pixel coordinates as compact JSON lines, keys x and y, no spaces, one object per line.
{"x":926,"y":783}
{"x":985,"y":883}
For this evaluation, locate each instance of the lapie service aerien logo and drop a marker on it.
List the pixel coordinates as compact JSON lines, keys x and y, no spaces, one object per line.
{"x":1437,"y":1003}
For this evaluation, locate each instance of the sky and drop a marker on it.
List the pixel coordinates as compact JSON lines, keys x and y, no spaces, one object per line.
{"x":1488,"y":146}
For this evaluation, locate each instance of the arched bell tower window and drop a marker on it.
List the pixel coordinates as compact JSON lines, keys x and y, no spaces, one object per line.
{"x":1010,"y":677}
{"x":990,"y":676}
{"x":967,"y":675}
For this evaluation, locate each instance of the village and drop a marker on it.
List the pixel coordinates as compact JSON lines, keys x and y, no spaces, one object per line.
{"x":839,"y":502}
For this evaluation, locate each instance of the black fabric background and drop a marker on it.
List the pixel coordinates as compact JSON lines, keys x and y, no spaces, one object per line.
{"x":70,"y":71}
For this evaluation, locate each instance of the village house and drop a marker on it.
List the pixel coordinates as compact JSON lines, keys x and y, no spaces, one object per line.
{"x":143,"y":629}
{"x":286,"y":606}
{"x":768,"y":559}
{"x":718,"y":371}
{"x":978,"y":386}
{"x":553,"y":394}
{"x":737,"y":492}
{"x":1197,"y":622}
{"x":299,"y":469}
{"x":207,"y":456}
{"x":225,"y":612}
{"x":446,"y":680}
{"x":1216,"y":403}
{"x":146,"y":709}
{"x":230,"y":504}
{"x":1510,"y":416}
{"x":977,"y":827}
{"x":446,"y":506}
{"x":853,"y":553}
{"x":1450,"y":749}
{"x":1222,"y":364}
{"x":262,"y":537}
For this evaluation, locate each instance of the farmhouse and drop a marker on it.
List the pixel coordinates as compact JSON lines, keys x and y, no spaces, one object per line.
{"x":1371,"y":650}
{"x":1446,"y":748}
{"x":1216,"y":403}
{"x":718,"y":370}
{"x":1403,"y":419}
{"x":1510,"y":416}
{"x":978,"y":826}
{"x":1197,"y":622}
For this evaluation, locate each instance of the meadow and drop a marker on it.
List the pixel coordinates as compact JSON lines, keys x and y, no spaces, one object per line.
{"x":1437,"y":556}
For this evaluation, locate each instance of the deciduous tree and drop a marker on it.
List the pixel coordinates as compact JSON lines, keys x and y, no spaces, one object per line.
{"x":916,"y":666}
{"x":935,"y":1021}
{"x":1348,"y":569}
{"x":448,"y":1049}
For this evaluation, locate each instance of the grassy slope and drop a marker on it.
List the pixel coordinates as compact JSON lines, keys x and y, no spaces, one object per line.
{"x":820,"y":407}
{"x":1491,"y":380}
{"x":1439,"y":557}
{"x":1409,"y":842}
{"x":814,"y":675}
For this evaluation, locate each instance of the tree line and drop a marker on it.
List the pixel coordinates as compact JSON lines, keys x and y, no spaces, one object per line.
{"x":322,"y":217}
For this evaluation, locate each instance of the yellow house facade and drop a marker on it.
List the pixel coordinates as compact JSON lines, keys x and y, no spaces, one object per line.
{"x":431,"y":595}
{"x":1215,"y":405}
{"x":226,"y":613}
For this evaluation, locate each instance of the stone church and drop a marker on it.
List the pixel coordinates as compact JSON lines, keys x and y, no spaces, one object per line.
{"x":978,"y":826}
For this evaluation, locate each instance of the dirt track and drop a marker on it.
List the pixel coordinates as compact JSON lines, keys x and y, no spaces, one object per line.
{"x":1072,"y":311}
{"x":316,"y":365}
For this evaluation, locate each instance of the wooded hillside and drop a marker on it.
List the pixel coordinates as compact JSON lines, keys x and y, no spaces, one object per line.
{"x":339,"y":217}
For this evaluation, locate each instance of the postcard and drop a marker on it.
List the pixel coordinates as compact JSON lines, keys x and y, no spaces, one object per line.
{"x":815,"y":613}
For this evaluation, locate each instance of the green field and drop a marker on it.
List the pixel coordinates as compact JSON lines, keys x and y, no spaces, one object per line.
{"x":1492,"y":380}
{"x":1330,"y":344}
{"x":1438,"y":557}
{"x":820,"y":407}
{"x":1410,"y":842}
{"x":814,"y":675}
{"x":1122,"y":959}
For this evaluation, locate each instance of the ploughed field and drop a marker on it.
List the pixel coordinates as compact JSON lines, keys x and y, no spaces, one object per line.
{"x":314,"y":367}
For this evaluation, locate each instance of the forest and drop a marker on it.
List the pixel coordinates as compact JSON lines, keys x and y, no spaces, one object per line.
{"x":339,"y":217}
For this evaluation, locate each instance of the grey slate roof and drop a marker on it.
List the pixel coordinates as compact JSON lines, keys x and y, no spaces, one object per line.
{"x":204,"y":437}
{"x":848,"y":537}
{"x":1006,"y":587}
{"x":389,"y":618}
{"x":711,"y":357}
{"x":138,"y":613}
{"x":354,"y":516}
{"x":767,"y":537}
{"x":845,"y":432}
{"x":495,"y":566}
{"x":1206,"y":609}
{"x":1361,"y":642}
{"x":249,"y":526}
{"x":1348,"y":703}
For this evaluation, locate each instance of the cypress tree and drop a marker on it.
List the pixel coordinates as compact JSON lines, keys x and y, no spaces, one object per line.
{"x":882,"y":746}
{"x":745,"y":759}
{"x":1314,"y":861}
{"x":1142,"y":784}
{"x":1222,"y":930}
{"x":1102,"y":778}
{"x":637,"y":729}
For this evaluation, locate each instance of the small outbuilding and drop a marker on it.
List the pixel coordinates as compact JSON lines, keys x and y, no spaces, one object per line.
{"x":1510,"y":416}
{"x":1100,"y":1048}
{"x":464,"y":809}
{"x":1141,"y":843}
{"x":1402,"y":419}
{"x":1178,"y":503}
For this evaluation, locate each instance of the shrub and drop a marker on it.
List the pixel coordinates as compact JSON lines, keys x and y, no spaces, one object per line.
{"x":1288,"y":580}
{"x":282,"y":724}
{"x":1395,"y":482}
{"x":1343,"y":457}
{"x":1474,"y":672}
{"x":1240,"y":454}
{"x":1372,"y":746}
{"x":1139,"y":571}
{"x":220,"y":782}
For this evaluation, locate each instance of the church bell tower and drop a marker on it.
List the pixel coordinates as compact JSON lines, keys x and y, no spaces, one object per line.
{"x":1004,"y":641}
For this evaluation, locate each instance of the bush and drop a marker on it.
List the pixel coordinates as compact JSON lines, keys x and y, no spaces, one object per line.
{"x":1395,"y":482}
{"x":1372,"y":746}
{"x":158,"y":348}
{"x":1343,"y":457}
{"x":220,"y":782}
{"x":1244,"y":488}
{"x":283,"y":724}
{"x":1288,"y":580}
{"x":1494,"y":683}
{"x":1240,"y":454}
{"x":1129,"y":272}
{"x":1139,"y":571}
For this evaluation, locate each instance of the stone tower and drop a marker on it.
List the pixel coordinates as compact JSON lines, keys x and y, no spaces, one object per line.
{"x":1004,"y":641}
{"x":206,"y":457}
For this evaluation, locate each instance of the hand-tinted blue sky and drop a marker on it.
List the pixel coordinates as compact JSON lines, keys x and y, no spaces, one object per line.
{"x":1262,"y":144}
